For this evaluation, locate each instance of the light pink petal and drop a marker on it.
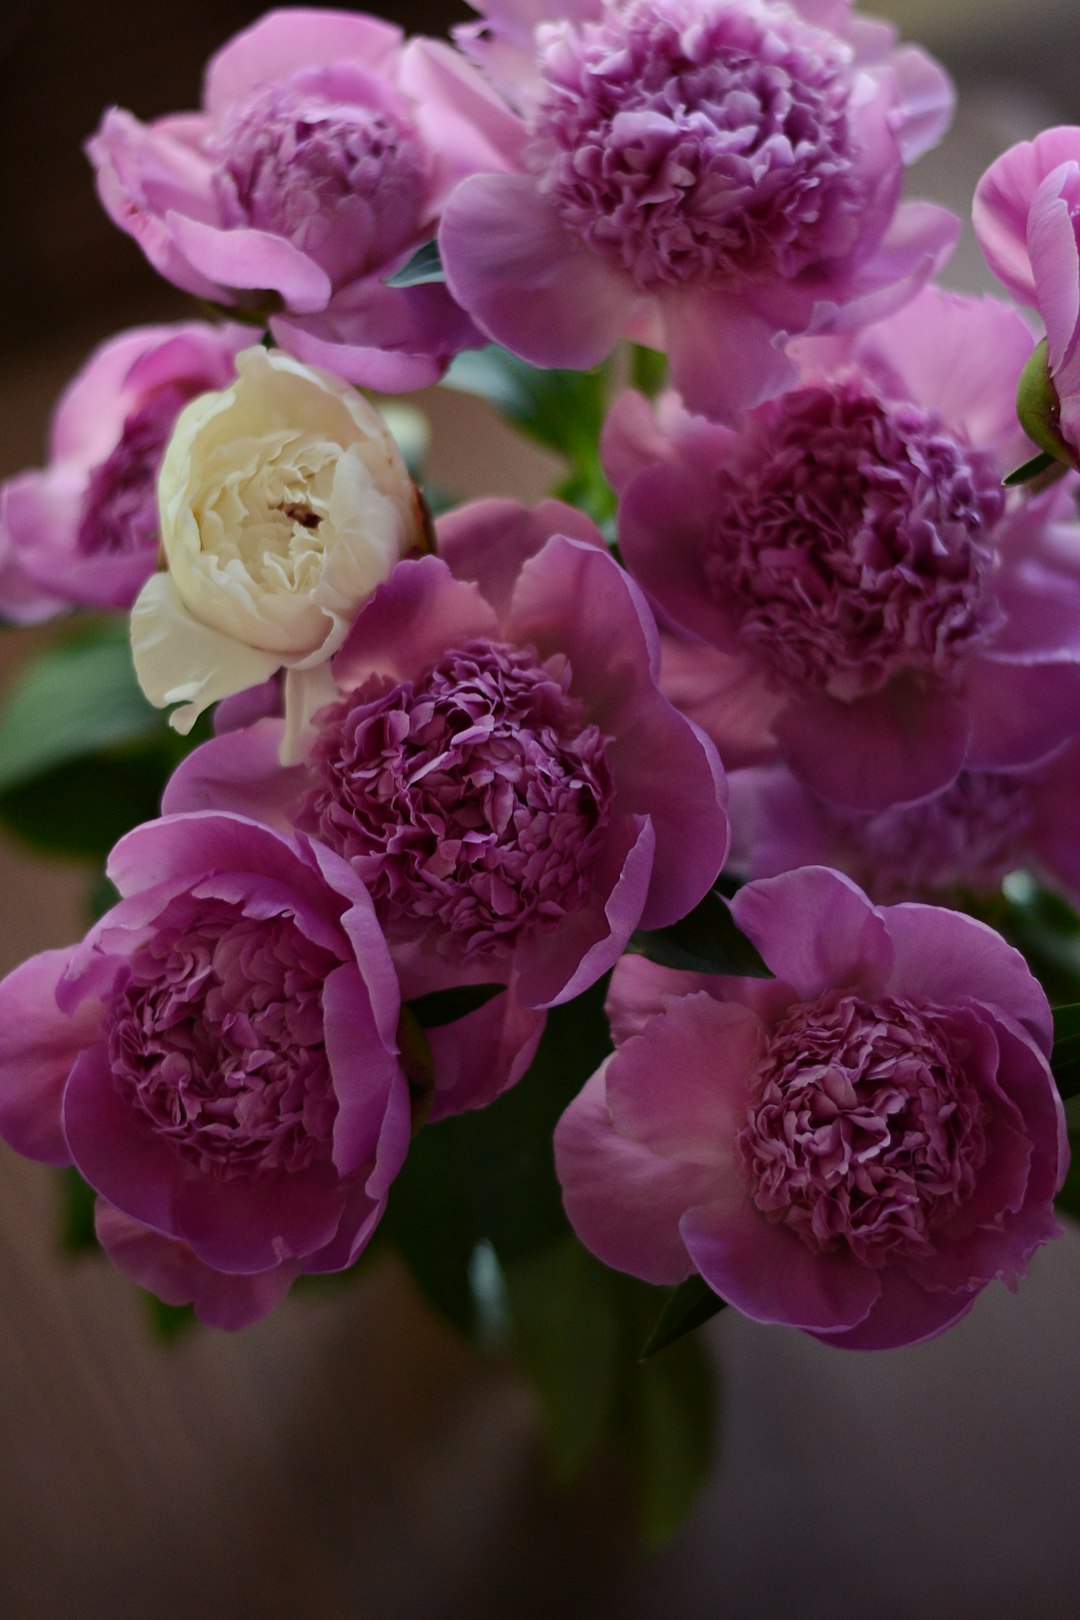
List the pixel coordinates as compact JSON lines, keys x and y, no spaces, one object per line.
{"x":480,"y":1056}
{"x":469,"y":129}
{"x":632,"y":439}
{"x":896,"y":747}
{"x":1055,"y":259}
{"x":944,"y":956}
{"x":640,"y":990}
{"x":724,"y":357}
{"x":681,"y":1087}
{"x":489,"y":542}
{"x":1021,"y":712}
{"x":729,"y":696}
{"x":916,"y":246}
{"x":239,"y":773}
{"x":283,"y":42}
{"x":38,"y":1046}
{"x":525,"y":279}
{"x":927,"y":97}
{"x":393,"y":339}
{"x":665,"y":516}
{"x":365,"y":1074}
{"x":247,"y":259}
{"x":171,"y":1270}
{"x":768,"y":1272}
{"x":816,"y":930}
{"x":622,"y":1201}
{"x":1003,"y":199}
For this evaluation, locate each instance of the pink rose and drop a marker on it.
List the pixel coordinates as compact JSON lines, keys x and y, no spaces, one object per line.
{"x":855,"y":1148}
{"x":218,"y":1058}
{"x":84,"y":530}
{"x":304,"y":182}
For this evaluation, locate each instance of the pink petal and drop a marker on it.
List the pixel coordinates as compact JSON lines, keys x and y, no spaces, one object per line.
{"x":816,"y":930}
{"x":904,"y":1314}
{"x":928,"y":98}
{"x":724,"y":357}
{"x":525,"y":279}
{"x":480,"y":1056}
{"x":410,"y":621}
{"x":1021,"y":712}
{"x":489,"y":542}
{"x":1003,"y":199}
{"x":282,"y":43}
{"x":239,"y":773}
{"x":38,"y":1046}
{"x":246,"y":259}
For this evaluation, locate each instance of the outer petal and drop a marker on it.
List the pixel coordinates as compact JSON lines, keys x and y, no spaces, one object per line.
{"x":525,"y":279}
{"x":180,"y":660}
{"x":489,"y":542}
{"x":172,"y":1271}
{"x":665,"y":515}
{"x":283,"y":42}
{"x":622,"y":1201}
{"x":389,"y":338}
{"x":725,"y":358}
{"x":247,"y":259}
{"x":904,"y":1314}
{"x":945,"y":956}
{"x":928,"y":98}
{"x":467,"y":126}
{"x":1003,"y":199}
{"x":769,"y":1274}
{"x":1021,"y":712}
{"x":680,"y":1088}
{"x":410,"y":621}
{"x":38,"y":1046}
{"x":901,"y":745}
{"x":480,"y":1056}
{"x":366,"y":1076}
{"x":816,"y":929}
{"x":238,"y":773}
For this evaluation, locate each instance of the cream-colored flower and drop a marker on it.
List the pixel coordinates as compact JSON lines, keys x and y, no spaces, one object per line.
{"x":284,"y":502}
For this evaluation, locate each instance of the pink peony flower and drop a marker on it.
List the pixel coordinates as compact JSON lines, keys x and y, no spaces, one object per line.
{"x":963,"y":840}
{"x":855,"y":1148}
{"x":1026,"y":209}
{"x":303,"y":184}
{"x":218,"y":1058}
{"x":710,"y":176}
{"x":84,"y":530}
{"x":500,"y":769}
{"x":858,"y":594}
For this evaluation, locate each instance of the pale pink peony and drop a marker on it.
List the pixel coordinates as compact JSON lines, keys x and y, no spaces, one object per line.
{"x":83,"y":531}
{"x":219,"y":1060}
{"x":304,"y":183}
{"x":854,"y":590}
{"x":711,"y":176}
{"x":855,"y":1148}
{"x":500,"y":769}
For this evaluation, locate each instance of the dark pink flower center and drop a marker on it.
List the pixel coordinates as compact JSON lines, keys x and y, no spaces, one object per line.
{"x":216,"y":1039}
{"x":968,"y":837}
{"x":345,"y":183}
{"x":699,"y":141}
{"x":865,"y":1130}
{"x":119,"y":512}
{"x":474,"y":800}
{"x":853,"y":538}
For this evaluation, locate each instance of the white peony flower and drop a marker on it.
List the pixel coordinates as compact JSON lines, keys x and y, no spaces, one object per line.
{"x":284,"y":502}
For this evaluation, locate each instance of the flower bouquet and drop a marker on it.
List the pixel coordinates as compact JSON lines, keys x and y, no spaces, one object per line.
{"x":638,"y":905}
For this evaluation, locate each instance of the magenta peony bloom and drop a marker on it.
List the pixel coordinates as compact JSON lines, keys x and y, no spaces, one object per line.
{"x":961,"y":841}
{"x":218,"y":1059}
{"x":855,"y":1148}
{"x":859,"y":594}
{"x":710,"y":176}
{"x":84,"y":530}
{"x":300,"y":187}
{"x":1026,"y":209}
{"x":500,"y":769}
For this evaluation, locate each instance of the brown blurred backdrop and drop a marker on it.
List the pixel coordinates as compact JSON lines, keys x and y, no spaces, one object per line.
{"x":349,"y":1457}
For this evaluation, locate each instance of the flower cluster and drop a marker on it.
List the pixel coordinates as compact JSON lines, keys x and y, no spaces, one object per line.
{"x":464,"y":768}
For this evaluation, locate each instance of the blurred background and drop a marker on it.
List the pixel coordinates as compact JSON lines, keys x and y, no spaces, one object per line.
{"x":350,"y":1457}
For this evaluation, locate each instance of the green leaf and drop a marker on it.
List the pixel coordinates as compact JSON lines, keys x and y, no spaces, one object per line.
{"x":671,"y":1427}
{"x":83,"y":807}
{"x":169,"y":1323}
{"x":648,"y":370}
{"x":1065,"y":1057}
{"x":75,"y":699}
{"x":447,"y":1006}
{"x":1038,"y":408}
{"x":1032,"y":469}
{"x":567,"y":1333}
{"x":1046,"y":929}
{"x":77,"y":1201}
{"x":424,"y":267}
{"x":688,"y":1306}
{"x":705,"y":941}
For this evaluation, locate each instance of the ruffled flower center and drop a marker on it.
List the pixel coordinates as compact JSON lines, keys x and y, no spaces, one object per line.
{"x":968,"y":837}
{"x":346,"y":184}
{"x":853,"y":538}
{"x":216,"y":1038}
{"x":865,"y":1130}
{"x":699,"y":141}
{"x":474,"y":800}
{"x":119,"y":511}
